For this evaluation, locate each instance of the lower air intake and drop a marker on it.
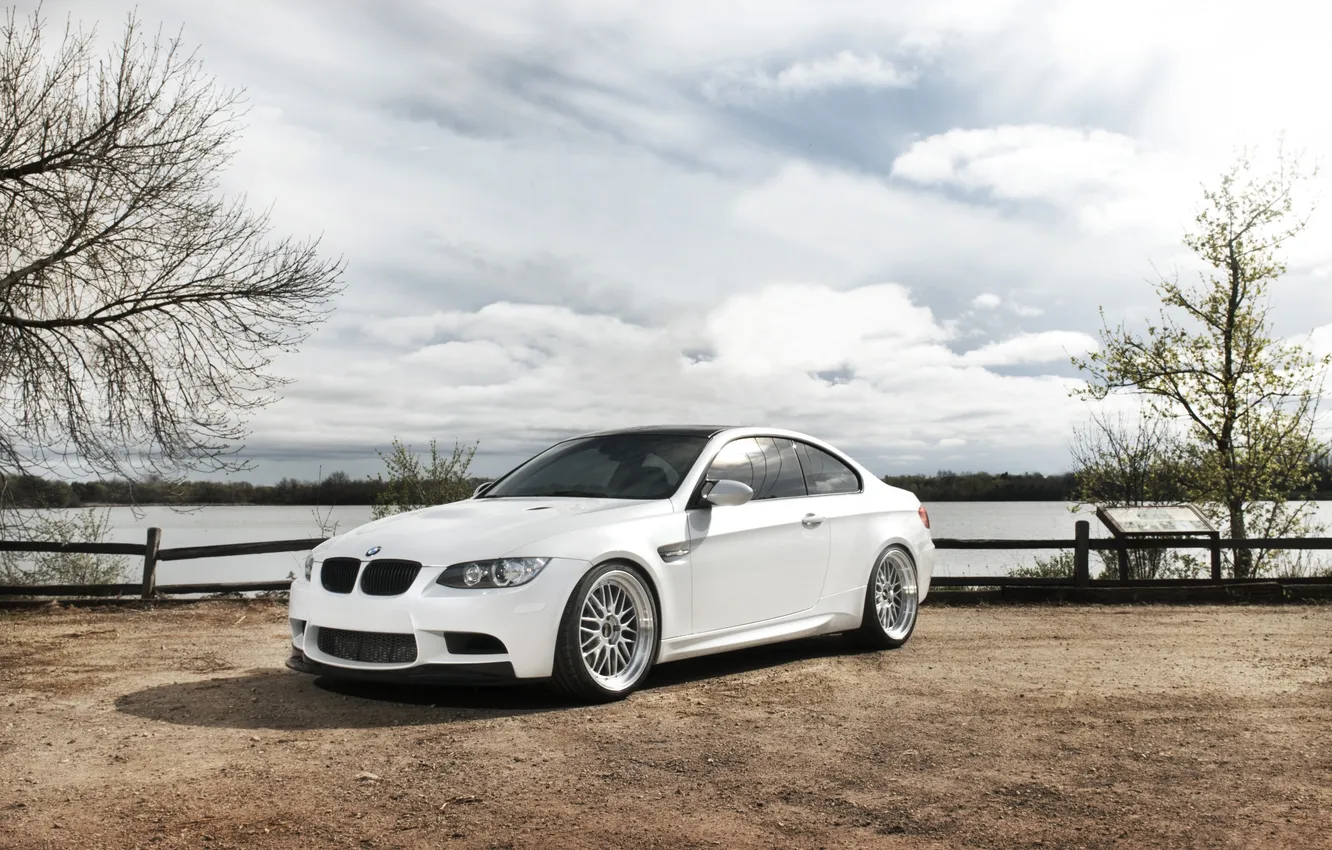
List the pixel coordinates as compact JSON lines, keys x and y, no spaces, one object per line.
{"x":473,"y":643}
{"x":370,"y":647}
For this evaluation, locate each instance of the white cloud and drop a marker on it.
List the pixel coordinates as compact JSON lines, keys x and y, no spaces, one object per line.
{"x":512,"y":375}
{"x":845,"y":70}
{"x":811,"y":328}
{"x":986,"y":301}
{"x":1043,"y":347}
{"x":1319,"y":341}
{"x":808,"y":77}
{"x":1028,"y":161}
{"x":1103,"y":178}
{"x":864,"y":226}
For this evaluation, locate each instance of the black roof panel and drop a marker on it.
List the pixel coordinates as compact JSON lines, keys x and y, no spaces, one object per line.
{"x":688,"y":430}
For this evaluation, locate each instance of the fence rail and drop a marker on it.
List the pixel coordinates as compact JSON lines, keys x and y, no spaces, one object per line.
{"x":189,"y":553}
{"x":1082,"y":545}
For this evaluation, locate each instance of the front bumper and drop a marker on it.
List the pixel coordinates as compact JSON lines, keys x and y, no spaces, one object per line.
{"x":524,"y":619}
{"x":475,"y":673}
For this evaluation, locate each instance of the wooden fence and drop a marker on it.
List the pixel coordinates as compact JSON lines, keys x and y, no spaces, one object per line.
{"x":152,"y":554}
{"x":1082,"y":545}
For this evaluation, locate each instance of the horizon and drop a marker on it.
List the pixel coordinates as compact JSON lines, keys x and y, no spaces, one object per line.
{"x":890,"y":228}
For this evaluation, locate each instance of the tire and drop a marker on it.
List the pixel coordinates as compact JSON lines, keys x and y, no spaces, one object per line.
{"x":892,"y":600}
{"x":608,"y":638}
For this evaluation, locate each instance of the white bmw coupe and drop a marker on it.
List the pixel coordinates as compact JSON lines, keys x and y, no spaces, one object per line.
{"x":612,"y":552}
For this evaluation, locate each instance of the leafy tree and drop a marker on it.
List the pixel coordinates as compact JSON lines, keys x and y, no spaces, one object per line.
{"x":412,"y":484}
{"x":1247,"y":400}
{"x":140,"y":310}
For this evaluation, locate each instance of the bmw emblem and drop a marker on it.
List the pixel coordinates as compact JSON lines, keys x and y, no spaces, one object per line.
{"x":372,"y":551}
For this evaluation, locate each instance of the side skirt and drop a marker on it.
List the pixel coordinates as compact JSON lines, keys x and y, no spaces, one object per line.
{"x":838,"y":613}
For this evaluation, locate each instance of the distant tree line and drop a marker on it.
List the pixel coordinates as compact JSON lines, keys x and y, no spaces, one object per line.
{"x":948,"y":486}
{"x":336,"y":489}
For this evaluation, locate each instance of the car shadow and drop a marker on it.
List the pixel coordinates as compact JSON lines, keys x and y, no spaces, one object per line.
{"x":282,"y":700}
{"x":745,"y":661}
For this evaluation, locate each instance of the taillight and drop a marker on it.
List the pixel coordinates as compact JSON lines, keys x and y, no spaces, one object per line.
{"x":924,"y":515}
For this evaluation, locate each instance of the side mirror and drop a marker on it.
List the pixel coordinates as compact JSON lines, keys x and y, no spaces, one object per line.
{"x":481,"y":488}
{"x":728,"y":494}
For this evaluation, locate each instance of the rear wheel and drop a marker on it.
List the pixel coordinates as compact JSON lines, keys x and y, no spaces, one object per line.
{"x":608,"y":639}
{"x":892,"y":598}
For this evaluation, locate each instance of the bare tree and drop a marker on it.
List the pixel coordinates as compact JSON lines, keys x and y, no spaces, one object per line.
{"x":140,"y":310}
{"x":1123,"y":462}
{"x":1120,"y":462}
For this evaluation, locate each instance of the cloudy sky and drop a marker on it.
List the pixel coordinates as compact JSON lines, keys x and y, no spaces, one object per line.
{"x":889,"y":224}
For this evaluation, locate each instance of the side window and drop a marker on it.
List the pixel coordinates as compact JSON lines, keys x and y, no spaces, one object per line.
{"x":769,"y":466}
{"x":825,"y":473}
{"x":739,"y":460}
{"x":784,"y":475}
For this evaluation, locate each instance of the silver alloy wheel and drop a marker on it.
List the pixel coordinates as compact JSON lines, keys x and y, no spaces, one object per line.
{"x":617,"y":630}
{"x":895,"y":596}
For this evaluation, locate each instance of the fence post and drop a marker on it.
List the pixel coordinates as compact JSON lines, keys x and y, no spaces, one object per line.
{"x":1082,"y":570}
{"x":1216,"y":556}
{"x":1081,"y":535}
{"x":150,"y":562}
{"x":1123,"y":560}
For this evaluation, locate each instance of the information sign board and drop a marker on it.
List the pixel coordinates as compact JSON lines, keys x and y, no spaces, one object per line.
{"x":1155,"y":519}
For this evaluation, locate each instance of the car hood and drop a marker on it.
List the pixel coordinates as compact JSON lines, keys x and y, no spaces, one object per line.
{"x":481,"y":528}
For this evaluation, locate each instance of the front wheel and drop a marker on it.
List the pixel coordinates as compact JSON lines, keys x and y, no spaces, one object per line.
{"x":892,"y":598}
{"x":608,"y":635}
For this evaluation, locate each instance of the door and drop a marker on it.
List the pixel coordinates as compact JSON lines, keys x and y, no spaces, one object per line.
{"x":763,"y":559}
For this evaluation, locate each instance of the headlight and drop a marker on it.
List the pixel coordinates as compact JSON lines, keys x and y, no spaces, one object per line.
{"x":502,"y":572}
{"x":309,"y":565}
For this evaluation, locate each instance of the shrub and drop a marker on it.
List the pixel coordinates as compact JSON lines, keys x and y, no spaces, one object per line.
{"x":412,"y":484}
{"x":90,"y":526}
{"x":1059,"y":565}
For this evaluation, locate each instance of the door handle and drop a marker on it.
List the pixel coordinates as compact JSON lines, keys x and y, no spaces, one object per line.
{"x":812,"y":521}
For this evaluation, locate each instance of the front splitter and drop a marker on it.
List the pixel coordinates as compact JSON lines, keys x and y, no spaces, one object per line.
{"x":477,"y":673}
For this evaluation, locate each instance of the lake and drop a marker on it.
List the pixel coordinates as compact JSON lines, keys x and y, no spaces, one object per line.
{"x":246,"y":523}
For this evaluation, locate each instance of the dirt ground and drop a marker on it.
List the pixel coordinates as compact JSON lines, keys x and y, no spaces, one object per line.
{"x":998,"y":726}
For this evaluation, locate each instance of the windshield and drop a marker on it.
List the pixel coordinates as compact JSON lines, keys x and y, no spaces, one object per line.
{"x":616,"y":466}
